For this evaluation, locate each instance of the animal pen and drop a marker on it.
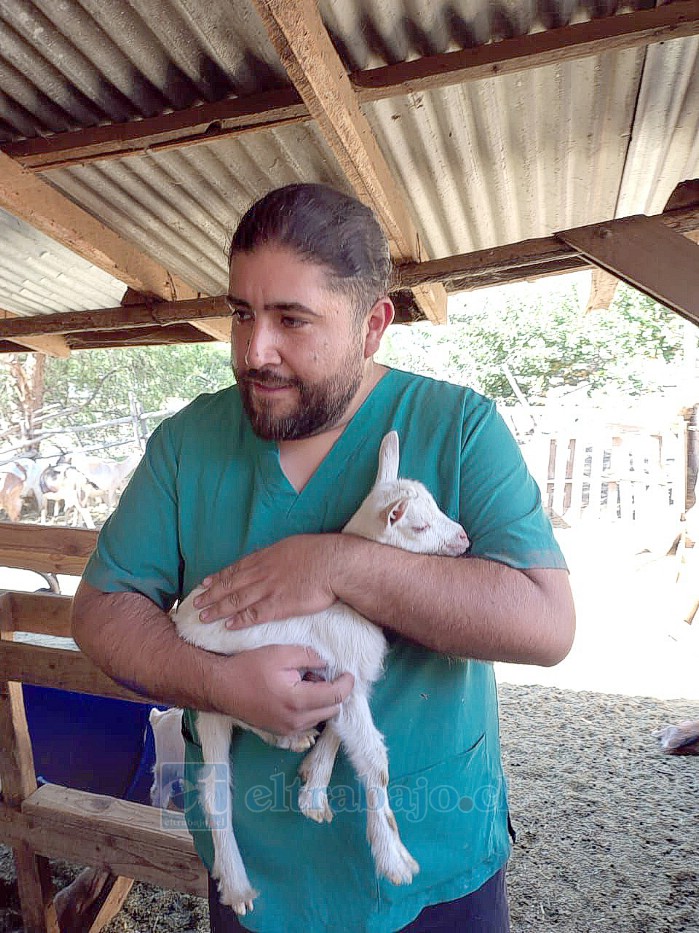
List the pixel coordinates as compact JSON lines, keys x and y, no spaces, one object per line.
{"x":493,"y":148}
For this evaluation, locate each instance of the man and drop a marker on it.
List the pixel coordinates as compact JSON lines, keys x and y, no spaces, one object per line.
{"x":257,"y":480}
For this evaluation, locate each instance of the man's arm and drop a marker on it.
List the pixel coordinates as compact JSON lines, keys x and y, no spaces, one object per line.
{"x":467,"y":607}
{"x":136,"y":644}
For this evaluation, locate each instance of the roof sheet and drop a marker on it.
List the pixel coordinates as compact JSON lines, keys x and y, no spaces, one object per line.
{"x":481,"y":164}
{"x":39,"y":276}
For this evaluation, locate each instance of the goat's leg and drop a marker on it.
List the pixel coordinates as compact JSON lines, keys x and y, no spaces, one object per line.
{"x":229,"y":871}
{"x":315,"y":772}
{"x":365,"y":747}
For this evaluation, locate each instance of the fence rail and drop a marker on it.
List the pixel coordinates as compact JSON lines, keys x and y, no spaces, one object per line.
{"x":617,"y":475}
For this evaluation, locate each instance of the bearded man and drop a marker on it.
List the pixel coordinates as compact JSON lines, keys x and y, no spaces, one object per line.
{"x":247,"y":490}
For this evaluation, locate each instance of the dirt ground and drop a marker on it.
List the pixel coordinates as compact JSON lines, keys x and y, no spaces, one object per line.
{"x":607,"y":826}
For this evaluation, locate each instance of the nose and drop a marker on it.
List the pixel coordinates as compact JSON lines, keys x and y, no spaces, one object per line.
{"x":260,"y":345}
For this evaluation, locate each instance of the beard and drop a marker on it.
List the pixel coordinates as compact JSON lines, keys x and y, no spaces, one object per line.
{"x":319,"y":406}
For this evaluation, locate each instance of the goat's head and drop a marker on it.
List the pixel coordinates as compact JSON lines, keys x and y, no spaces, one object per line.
{"x":403,"y":513}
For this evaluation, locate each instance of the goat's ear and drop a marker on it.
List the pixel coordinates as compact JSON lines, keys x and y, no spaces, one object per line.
{"x":394,"y":512}
{"x":388,"y":458}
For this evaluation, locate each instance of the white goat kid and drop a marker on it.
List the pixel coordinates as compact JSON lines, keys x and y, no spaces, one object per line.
{"x":397,"y":512}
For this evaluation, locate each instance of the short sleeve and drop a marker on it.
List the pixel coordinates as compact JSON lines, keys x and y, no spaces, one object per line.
{"x":138,"y":547}
{"x":500,"y":501}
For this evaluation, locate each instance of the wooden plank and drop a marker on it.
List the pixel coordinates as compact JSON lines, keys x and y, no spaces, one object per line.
{"x":522,"y":53}
{"x":35,"y":890}
{"x":191,"y":126}
{"x":309,"y":57}
{"x":91,"y":900}
{"x":18,"y":782}
{"x":645,"y":253}
{"x":131,"y":316}
{"x":513,"y":262}
{"x":133,"y":840}
{"x":113,"y":903}
{"x":269,"y":109}
{"x":40,"y":613}
{"x":579,"y":453}
{"x":61,"y":668}
{"x":16,"y":759}
{"x":51,"y":550}
{"x":51,"y":346}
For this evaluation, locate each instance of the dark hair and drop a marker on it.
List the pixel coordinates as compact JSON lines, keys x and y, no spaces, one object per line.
{"x":326,"y":227}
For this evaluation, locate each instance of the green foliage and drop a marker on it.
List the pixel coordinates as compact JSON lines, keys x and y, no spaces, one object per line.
{"x":539,"y":333}
{"x":152,"y":374}
{"x":96,"y":385}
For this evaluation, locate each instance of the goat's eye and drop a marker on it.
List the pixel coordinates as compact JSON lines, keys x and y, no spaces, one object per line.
{"x":418,"y":529}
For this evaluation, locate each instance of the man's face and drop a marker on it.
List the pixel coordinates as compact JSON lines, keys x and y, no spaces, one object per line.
{"x":297,"y":351}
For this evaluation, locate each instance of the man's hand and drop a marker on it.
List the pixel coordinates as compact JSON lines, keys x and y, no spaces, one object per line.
{"x":267,"y":689}
{"x":290,"y":578}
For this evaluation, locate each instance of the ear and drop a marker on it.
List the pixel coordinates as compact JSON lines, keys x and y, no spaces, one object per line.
{"x":394,"y":512}
{"x":376,"y":323}
{"x":388,"y":458}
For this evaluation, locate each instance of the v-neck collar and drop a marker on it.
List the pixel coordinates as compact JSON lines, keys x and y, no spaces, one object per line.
{"x":275,"y":481}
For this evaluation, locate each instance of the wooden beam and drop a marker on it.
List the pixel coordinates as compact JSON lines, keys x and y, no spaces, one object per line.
{"x":28,"y":197}
{"x":128,"y":838}
{"x":51,"y":346}
{"x":304,"y":47}
{"x":269,"y":109}
{"x":51,"y":550}
{"x":529,"y":259}
{"x":39,"y":613}
{"x":536,"y":50}
{"x":62,"y":668}
{"x":18,"y":782}
{"x":603,"y":287}
{"x":132,"y":316}
{"x":645,"y":253}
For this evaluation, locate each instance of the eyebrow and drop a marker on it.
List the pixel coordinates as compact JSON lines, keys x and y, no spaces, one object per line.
{"x":282,"y":306}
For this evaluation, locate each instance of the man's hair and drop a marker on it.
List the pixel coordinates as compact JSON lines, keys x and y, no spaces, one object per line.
{"x":329,"y":228}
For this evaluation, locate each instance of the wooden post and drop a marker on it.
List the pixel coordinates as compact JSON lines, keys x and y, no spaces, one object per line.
{"x":18,"y":782}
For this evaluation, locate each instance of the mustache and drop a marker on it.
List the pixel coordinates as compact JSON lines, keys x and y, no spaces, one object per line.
{"x":266,"y":377}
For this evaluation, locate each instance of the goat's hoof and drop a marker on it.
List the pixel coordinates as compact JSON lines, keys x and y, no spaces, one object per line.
{"x":402,"y":868}
{"x":239,"y":901}
{"x":313,"y":803}
{"x":300,"y":742}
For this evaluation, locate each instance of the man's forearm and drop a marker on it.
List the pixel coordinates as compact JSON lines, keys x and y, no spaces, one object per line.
{"x":136,"y":644}
{"x":462,"y":606}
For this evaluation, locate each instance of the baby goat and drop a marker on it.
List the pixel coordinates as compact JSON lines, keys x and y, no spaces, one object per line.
{"x":397,"y":512}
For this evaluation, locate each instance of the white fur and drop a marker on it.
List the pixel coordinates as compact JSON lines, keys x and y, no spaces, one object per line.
{"x":168,"y":771}
{"x":397,"y":512}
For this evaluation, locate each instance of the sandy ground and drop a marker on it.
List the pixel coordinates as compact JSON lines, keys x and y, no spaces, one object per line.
{"x":608,"y":826}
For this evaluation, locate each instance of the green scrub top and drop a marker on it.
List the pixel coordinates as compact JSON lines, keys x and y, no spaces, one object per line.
{"x":207,"y":492}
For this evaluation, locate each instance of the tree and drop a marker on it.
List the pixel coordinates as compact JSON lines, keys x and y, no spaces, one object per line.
{"x":539,"y":333}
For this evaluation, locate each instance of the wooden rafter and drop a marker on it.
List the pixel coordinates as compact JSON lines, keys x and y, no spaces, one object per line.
{"x":648,"y":255}
{"x":271,"y":109}
{"x":306,"y":51}
{"x":515,"y":262}
{"x":28,"y":197}
{"x":51,"y":345}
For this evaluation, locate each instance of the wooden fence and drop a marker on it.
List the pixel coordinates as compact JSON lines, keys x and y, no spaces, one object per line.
{"x":614,"y":473}
{"x":125,"y":838}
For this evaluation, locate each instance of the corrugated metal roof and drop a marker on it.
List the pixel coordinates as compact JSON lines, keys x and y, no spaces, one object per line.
{"x":37,"y":275}
{"x":481,"y":164}
{"x":183,"y":205}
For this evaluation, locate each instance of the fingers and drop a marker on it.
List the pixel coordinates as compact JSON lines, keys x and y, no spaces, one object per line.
{"x":318,"y":701}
